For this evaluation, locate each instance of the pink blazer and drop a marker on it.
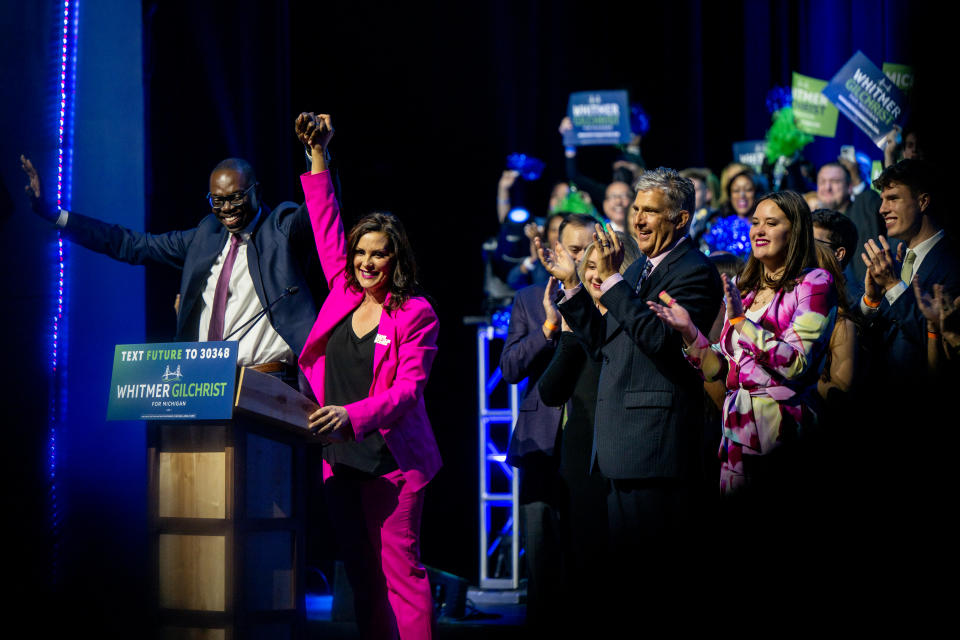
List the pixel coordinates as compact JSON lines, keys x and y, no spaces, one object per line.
{"x":405,"y":346}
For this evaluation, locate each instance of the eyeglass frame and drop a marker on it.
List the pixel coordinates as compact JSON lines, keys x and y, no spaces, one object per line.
{"x":231,"y":197}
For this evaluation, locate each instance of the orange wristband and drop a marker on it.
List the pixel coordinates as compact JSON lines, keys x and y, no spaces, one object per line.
{"x":867,"y":300}
{"x":549,"y":326}
{"x":734,"y":321}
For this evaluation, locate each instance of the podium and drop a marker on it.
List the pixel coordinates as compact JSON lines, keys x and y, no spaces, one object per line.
{"x":227,"y":502}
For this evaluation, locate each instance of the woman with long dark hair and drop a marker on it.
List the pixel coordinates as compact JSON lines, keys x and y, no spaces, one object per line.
{"x":773,"y":341}
{"x":379,"y":337}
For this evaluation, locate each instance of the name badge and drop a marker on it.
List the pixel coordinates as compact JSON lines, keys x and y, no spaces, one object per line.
{"x":381,"y":339}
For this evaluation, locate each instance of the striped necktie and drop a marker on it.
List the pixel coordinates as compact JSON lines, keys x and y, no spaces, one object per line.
{"x":647,"y":268}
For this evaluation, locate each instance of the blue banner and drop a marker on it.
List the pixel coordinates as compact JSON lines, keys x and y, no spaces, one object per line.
{"x":599,"y":117}
{"x":750,"y":153}
{"x":173,"y":381}
{"x":865,"y":94}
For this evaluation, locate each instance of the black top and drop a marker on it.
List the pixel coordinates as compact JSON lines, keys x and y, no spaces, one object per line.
{"x":349,"y":374}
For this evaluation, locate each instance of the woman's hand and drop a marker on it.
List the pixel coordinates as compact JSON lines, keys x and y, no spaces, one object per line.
{"x":731,"y":295}
{"x":315,"y":132}
{"x":559,"y":264}
{"x":675,"y":317}
{"x":331,"y":424}
{"x":608,"y":252}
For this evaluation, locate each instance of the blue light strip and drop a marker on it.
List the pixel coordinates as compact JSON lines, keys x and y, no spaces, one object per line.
{"x":67,"y":82}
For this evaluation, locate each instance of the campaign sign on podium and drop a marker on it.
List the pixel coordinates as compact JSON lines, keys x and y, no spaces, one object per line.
{"x":173,"y":381}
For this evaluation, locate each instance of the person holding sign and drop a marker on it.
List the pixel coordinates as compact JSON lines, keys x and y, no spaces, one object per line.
{"x":380,"y":338}
{"x":772,"y":344}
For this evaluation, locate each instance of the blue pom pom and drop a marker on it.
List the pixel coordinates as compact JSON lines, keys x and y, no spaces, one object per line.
{"x":639,"y":121}
{"x":729,"y":234}
{"x":778,"y":98}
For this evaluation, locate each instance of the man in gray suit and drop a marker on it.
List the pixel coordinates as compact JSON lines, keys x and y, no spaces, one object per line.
{"x":648,"y":429}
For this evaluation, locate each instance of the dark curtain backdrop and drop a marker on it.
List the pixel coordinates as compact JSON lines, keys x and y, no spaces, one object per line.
{"x":429,"y":98}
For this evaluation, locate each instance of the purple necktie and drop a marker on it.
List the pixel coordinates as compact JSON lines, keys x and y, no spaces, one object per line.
{"x":223,"y":290}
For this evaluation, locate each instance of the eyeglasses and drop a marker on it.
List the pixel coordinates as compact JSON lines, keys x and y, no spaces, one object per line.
{"x":832,"y":245}
{"x":236,"y":199}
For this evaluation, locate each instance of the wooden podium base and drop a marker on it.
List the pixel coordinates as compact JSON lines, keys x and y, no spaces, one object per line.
{"x":227,"y":507}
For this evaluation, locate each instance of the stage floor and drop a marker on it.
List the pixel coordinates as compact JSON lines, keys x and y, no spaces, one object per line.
{"x":490,"y":614}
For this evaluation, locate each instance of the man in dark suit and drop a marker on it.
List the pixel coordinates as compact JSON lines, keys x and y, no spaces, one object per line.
{"x":273,"y":251}
{"x":649,"y":421}
{"x":534,"y":444}
{"x":911,"y":208}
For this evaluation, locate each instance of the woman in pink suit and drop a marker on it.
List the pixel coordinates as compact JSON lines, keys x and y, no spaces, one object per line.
{"x":380,"y":340}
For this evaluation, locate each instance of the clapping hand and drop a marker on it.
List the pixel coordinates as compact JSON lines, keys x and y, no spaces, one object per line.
{"x":331,"y":424}
{"x":552,"y":314}
{"x":608,"y":251}
{"x":882,"y":269}
{"x":731,"y":295}
{"x":675,"y":317}
{"x":559,"y":264}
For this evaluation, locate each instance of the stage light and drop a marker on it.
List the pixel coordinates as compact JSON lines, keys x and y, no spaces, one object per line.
{"x":519,"y":215}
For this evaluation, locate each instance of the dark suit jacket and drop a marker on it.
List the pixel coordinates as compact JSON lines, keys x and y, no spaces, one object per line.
{"x":282,"y":254}
{"x":902,"y":327}
{"x":525,"y":355}
{"x":649,"y":418}
{"x":864,"y":213}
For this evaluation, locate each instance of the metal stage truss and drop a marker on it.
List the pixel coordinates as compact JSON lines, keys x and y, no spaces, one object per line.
{"x":499,"y":482}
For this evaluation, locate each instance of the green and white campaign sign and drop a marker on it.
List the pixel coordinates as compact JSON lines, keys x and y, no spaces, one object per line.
{"x":173,"y":381}
{"x":900,"y":74}
{"x":812,"y":111}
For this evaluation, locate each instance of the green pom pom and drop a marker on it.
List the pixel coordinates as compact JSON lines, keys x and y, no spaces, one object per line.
{"x":574,"y":203}
{"x":783,"y":137}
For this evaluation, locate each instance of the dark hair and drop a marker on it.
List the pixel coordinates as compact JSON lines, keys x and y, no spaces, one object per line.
{"x":236,"y":164}
{"x":801,"y":254}
{"x":728,"y":209}
{"x":403,"y":277}
{"x":727,"y":263}
{"x":841,"y":229}
{"x":577,"y":220}
{"x":920,"y":176}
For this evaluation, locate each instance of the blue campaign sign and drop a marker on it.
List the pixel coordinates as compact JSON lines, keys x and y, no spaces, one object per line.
{"x":173,"y":381}
{"x":865,"y":94}
{"x":750,"y":153}
{"x":599,"y":117}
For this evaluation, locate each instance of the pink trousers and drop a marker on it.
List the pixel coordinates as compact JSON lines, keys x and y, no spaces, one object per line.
{"x":377,"y":521}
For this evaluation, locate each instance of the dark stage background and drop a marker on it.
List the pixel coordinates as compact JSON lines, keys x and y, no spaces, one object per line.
{"x":427,"y":100}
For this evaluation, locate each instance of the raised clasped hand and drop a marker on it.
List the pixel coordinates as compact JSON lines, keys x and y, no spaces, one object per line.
{"x":314,"y":130}
{"x":558,"y":263}
{"x":608,"y":251}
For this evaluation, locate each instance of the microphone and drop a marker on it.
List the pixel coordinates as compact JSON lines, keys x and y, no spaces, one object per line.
{"x":289,"y":291}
